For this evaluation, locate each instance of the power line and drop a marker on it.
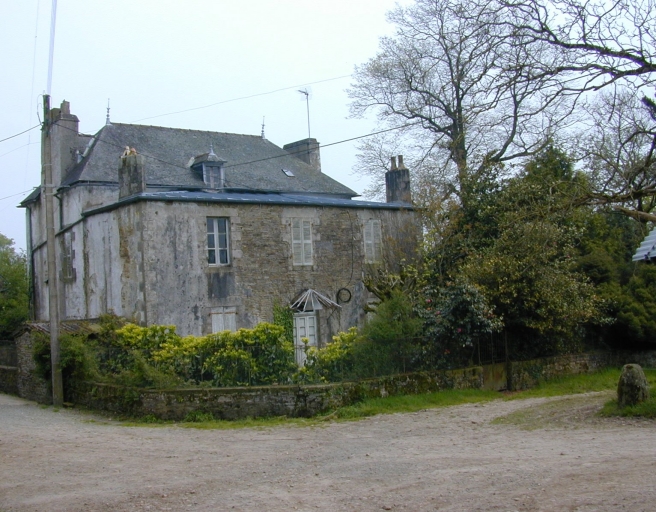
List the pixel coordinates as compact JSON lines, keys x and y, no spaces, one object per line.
{"x":17,"y":194}
{"x":21,"y":133}
{"x":282,"y":155}
{"x":19,"y":147}
{"x":242,"y":98}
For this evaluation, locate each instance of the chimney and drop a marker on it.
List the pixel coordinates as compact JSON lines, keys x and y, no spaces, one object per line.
{"x":397,"y":182}
{"x":64,"y":141}
{"x":306,"y":150}
{"x":131,"y":174}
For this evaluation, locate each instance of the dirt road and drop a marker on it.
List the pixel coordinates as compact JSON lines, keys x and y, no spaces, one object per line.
{"x":549,"y":455}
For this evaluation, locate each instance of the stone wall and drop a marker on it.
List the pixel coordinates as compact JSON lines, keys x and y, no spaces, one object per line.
{"x":526,"y":374}
{"x":30,"y":384}
{"x":8,"y":367}
{"x":292,"y":401}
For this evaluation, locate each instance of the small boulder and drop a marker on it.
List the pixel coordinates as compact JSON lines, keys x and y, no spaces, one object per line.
{"x":632,"y":387}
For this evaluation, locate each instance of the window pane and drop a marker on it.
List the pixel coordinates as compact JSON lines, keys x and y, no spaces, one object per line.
{"x":218,"y":242}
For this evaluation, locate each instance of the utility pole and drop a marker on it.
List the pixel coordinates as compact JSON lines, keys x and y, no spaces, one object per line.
{"x":53,"y":285}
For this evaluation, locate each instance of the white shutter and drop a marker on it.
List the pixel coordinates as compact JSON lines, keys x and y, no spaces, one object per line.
{"x":307,"y":243}
{"x":368,"y":242}
{"x":377,"y":241}
{"x":301,"y":242}
{"x":373,"y":243}
{"x":224,"y":319}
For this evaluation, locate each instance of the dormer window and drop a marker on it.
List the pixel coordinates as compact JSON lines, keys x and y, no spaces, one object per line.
{"x":210,"y":168}
{"x":213,"y":176}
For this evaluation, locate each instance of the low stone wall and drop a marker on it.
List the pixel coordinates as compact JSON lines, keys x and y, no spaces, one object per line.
{"x":526,"y":374}
{"x":295,"y":401}
{"x":8,"y":353}
{"x":292,"y":401}
{"x":9,"y":380}
{"x":8,"y":367}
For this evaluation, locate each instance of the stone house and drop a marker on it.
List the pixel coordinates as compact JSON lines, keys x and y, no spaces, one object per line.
{"x":208,"y":231}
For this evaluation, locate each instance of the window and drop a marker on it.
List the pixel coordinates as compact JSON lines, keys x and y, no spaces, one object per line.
{"x":302,"y":241}
{"x":218,"y":241}
{"x":213,"y":176}
{"x":224,"y":319}
{"x":373,"y":246}
{"x":67,"y":273}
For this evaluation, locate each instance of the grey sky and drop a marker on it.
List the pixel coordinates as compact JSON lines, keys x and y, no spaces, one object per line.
{"x":155,"y":57}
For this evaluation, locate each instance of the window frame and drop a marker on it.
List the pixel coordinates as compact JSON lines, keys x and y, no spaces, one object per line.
{"x":214,"y":245}
{"x":213,"y":176}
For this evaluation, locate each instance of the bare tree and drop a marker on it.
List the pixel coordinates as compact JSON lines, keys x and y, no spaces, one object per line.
{"x":455,"y":73}
{"x":620,"y":155}
{"x":603,"y":57}
{"x":598,"y":42}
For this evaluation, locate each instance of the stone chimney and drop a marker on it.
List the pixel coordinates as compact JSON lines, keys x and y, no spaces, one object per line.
{"x":131,"y":174}
{"x":64,"y":141}
{"x":397,"y":182}
{"x":306,"y":150}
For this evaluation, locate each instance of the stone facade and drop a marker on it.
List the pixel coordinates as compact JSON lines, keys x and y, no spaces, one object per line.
{"x":132,"y":230}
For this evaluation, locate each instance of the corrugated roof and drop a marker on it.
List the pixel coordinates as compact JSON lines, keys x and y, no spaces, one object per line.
{"x":647,"y":249}
{"x":251,"y":161}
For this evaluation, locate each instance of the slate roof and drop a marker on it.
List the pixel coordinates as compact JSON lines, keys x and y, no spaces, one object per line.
{"x":252,"y":163}
{"x":647,"y":249}
{"x":201,"y":196}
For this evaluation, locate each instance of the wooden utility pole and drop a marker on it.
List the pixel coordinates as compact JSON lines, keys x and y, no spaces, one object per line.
{"x":53,"y":286}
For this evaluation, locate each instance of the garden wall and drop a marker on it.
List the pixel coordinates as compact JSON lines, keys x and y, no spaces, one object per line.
{"x":8,"y":367}
{"x":292,"y":401}
{"x":30,"y":384}
{"x":526,"y":374}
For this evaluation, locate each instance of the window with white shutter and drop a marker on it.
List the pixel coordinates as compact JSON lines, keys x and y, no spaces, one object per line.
{"x":302,"y":241}
{"x":373,"y":242}
{"x":224,"y":319}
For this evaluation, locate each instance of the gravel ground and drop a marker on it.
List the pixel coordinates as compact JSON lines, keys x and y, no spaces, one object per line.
{"x":542,"y":454}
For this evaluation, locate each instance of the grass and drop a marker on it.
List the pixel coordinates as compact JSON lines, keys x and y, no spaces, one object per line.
{"x":646,"y":409}
{"x":573,"y":384}
{"x":604,"y":380}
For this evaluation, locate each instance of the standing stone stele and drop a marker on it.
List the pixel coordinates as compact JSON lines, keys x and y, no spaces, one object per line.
{"x":632,"y":387}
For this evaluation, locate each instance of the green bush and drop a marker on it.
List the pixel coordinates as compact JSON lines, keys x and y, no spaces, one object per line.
{"x":391,"y":338}
{"x":333,"y":363}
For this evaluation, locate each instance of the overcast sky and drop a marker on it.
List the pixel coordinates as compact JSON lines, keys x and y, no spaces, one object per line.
{"x":155,"y":58}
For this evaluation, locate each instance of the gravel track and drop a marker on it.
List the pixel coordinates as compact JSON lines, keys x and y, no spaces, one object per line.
{"x":547,"y":455}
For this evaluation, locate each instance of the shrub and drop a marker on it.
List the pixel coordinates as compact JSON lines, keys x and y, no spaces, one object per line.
{"x":333,"y":363}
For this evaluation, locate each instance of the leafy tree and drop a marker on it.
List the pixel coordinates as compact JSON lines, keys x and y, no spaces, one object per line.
{"x":14,"y":303}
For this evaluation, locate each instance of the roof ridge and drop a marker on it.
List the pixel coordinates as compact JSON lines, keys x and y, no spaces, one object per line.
{"x":181,"y":129}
